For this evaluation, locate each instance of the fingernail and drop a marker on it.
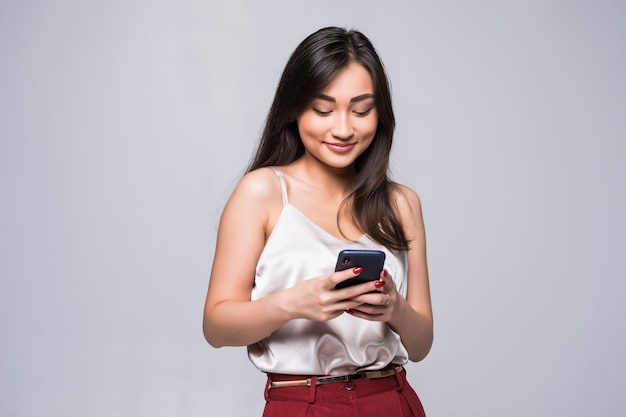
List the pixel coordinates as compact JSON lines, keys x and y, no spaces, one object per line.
{"x":357,"y":270}
{"x":379,"y":284}
{"x":384,"y":272}
{"x":349,"y":311}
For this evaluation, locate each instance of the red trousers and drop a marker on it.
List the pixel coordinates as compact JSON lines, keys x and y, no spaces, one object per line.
{"x":391,"y":396}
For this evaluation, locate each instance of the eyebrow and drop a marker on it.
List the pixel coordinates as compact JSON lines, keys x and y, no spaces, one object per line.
{"x":352,"y":100}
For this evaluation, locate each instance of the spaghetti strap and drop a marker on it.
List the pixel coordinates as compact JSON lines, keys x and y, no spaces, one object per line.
{"x":283,"y":185}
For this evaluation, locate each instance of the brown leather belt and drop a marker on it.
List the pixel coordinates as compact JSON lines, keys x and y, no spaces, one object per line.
{"x":331,"y":379}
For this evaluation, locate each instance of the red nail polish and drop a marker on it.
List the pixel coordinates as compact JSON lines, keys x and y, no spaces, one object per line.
{"x":349,"y":311}
{"x":384,"y":272}
{"x":379,"y":284}
{"x":357,"y":270}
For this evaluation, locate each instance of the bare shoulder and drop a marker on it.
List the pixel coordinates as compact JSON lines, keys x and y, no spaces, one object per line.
{"x":254,"y":205}
{"x":258,"y":187}
{"x":409,"y":207}
{"x":406,"y":200}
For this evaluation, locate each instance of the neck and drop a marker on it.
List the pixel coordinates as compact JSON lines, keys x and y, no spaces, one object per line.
{"x":332,"y":180}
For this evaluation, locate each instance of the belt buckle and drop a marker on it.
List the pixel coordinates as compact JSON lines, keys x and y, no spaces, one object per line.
{"x":330,"y":379}
{"x":354,"y":377}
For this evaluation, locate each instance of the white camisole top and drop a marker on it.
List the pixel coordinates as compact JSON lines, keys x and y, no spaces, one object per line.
{"x":296,"y":250}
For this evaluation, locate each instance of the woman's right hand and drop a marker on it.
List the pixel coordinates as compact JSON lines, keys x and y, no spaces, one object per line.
{"x":317,"y":299}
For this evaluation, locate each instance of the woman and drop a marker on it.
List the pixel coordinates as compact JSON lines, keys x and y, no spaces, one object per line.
{"x":319,"y":184}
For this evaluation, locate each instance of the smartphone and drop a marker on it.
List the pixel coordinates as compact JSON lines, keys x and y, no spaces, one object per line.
{"x":372,"y":262}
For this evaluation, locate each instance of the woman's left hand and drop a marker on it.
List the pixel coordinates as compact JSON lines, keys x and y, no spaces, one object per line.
{"x":382,"y":305}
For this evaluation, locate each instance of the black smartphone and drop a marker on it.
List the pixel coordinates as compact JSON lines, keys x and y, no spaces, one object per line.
{"x":372,"y":262}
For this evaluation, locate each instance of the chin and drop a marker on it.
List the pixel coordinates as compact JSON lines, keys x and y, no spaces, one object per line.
{"x":344,"y":164}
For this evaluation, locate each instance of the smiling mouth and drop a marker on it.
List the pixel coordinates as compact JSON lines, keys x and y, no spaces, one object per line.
{"x":339,"y":147}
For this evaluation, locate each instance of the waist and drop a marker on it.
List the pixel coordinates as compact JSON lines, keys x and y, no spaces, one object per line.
{"x":336,"y":347}
{"x":282,"y":380}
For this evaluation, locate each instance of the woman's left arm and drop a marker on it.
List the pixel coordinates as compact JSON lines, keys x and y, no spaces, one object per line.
{"x":410,"y":317}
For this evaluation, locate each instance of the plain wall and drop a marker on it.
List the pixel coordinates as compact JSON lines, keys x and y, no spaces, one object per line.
{"x":124,"y":127}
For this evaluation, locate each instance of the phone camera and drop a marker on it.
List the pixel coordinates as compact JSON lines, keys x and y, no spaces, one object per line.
{"x":345,"y":261}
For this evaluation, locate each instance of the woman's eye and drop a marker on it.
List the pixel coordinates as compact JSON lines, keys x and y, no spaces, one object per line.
{"x":363,"y":113}
{"x":322,"y":112}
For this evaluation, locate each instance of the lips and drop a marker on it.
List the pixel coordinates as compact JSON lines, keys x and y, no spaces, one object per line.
{"x":340,"y":147}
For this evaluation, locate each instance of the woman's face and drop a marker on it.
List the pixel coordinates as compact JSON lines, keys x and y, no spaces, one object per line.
{"x":340,"y":123}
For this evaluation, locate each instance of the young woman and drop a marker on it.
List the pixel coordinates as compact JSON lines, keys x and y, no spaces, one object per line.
{"x":317,"y":185}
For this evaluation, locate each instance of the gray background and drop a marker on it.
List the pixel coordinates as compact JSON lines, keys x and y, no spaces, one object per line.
{"x":125,"y":125}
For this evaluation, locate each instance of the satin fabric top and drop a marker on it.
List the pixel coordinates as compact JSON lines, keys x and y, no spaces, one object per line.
{"x":299,"y":249}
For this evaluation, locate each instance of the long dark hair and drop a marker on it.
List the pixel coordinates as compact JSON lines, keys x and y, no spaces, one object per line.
{"x":312,"y":66}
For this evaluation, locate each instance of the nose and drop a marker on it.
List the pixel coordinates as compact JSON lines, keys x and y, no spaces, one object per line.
{"x":342,"y":128}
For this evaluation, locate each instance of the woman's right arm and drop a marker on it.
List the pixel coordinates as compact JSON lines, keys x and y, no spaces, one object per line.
{"x":230,"y":317}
